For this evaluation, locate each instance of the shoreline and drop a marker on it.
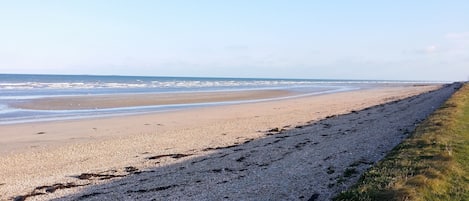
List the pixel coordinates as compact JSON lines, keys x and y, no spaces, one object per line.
{"x":110,"y":101}
{"x":17,"y":110}
{"x":60,"y":108}
{"x":52,"y":152}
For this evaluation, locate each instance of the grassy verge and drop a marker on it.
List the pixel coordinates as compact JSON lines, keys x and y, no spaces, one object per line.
{"x":433,"y":164}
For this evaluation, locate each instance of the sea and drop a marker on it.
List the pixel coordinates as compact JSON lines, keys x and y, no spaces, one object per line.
{"x":24,"y":87}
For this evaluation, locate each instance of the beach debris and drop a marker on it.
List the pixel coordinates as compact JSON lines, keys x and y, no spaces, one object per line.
{"x":175,"y":156}
{"x":53,"y":188}
{"x":90,"y":195}
{"x":302,"y":144}
{"x":229,"y":146}
{"x":218,"y":148}
{"x":41,"y":133}
{"x":23,"y":197}
{"x":326,"y":125}
{"x":274,"y":130}
{"x":162,"y":188}
{"x":90,"y":176}
{"x":42,"y":190}
{"x":330,"y":170}
{"x":314,"y":197}
{"x":240,"y":159}
{"x":131,"y":169}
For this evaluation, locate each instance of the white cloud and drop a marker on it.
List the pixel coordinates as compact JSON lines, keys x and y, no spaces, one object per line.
{"x":458,"y":40}
{"x":431,"y":49}
{"x":458,"y":36}
{"x":427,"y":50}
{"x":458,"y":44}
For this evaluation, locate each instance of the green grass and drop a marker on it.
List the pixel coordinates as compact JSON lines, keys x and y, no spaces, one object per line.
{"x":433,"y":164}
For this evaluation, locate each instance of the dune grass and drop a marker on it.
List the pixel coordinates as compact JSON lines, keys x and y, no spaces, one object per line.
{"x":433,"y":164}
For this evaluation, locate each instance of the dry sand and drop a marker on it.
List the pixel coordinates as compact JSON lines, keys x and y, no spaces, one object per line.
{"x":212,"y":153}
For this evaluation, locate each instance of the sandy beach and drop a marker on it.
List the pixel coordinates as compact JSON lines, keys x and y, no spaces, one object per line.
{"x":292,"y":149}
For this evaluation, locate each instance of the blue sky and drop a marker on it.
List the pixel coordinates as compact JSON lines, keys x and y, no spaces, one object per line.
{"x":400,"y":39}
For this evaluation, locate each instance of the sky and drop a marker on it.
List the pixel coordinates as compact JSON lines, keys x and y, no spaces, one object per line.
{"x":362,"y":39}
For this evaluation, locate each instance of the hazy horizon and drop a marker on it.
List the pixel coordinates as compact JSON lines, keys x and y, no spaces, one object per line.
{"x":360,"y":40}
{"x":220,"y":77}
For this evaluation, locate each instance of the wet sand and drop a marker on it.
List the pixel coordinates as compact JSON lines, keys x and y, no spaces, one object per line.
{"x":135,"y":100}
{"x":83,"y":157}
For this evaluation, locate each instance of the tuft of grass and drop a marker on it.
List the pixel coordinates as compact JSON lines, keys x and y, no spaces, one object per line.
{"x":432,"y":164}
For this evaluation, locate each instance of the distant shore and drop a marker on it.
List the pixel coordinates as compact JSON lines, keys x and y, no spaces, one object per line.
{"x":48,"y":153}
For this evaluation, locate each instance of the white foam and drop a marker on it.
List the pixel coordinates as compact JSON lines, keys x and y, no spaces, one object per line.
{"x":5,"y":109}
{"x":187,"y":84}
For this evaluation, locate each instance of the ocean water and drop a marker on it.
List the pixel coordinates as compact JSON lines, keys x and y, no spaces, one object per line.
{"x":18,"y":87}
